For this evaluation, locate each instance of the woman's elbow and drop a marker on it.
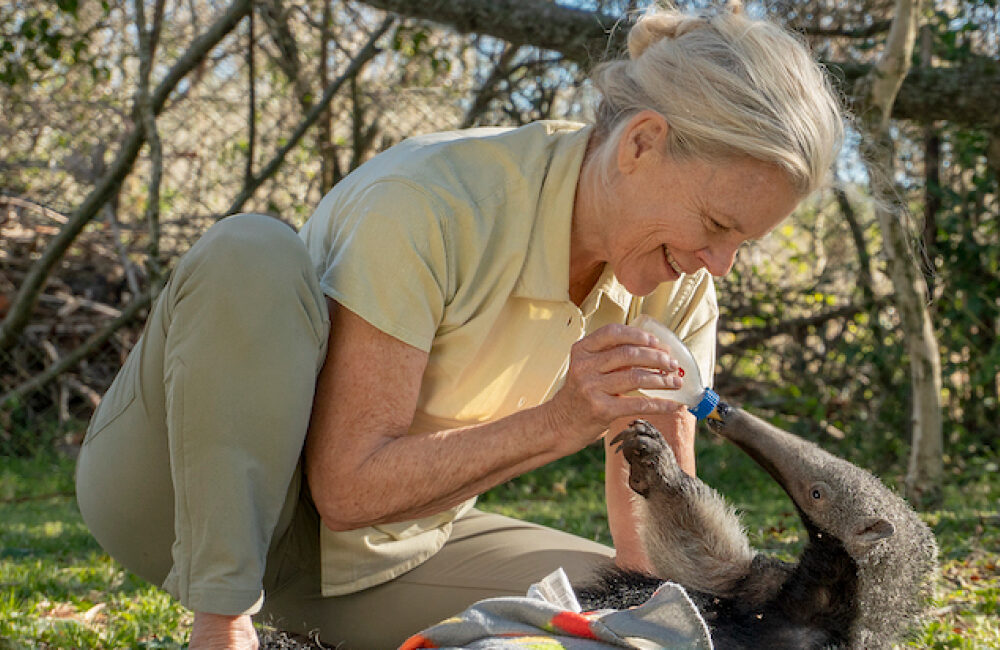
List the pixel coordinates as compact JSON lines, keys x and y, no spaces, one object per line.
{"x":338,"y":506}
{"x":339,"y":515}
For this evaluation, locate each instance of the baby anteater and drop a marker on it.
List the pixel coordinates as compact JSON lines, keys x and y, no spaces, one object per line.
{"x":862,"y":576}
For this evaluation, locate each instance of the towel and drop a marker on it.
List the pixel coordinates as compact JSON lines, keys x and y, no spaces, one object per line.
{"x":549,"y":618}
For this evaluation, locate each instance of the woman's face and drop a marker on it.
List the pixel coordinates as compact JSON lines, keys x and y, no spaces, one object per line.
{"x":672,"y":217}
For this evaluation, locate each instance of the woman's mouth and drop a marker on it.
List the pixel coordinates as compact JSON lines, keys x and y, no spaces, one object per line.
{"x":671,"y":262}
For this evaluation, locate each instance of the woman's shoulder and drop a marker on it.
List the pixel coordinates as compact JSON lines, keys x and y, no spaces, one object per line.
{"x":468,"y":159}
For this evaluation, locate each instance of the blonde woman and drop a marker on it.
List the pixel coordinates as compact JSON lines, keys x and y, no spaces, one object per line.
{"x":305,"y":424}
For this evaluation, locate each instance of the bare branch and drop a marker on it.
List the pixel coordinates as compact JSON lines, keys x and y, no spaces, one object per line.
{"x":875,"y":29}
{"x":964,"y":94}
{"x":144,"y":104}
{"x":107,"y":186}
{"x":127,"y":266}
{"x":857,"y":234}
{"x":84,"y":350}
{"x":251,"y":102}
{"x":275,"y":16}
{"x":22,"y":203}
{"x":329,"y":166}
{"x":488,"y":90}
{"x":364,"y":55}
{"x":579,"y":34}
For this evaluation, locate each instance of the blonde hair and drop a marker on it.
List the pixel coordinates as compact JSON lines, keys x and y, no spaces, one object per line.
{"x":727,"y":85}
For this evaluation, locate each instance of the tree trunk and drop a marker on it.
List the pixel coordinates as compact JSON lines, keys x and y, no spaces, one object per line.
{"x":875,"y":108}
{"x":962,"y":94}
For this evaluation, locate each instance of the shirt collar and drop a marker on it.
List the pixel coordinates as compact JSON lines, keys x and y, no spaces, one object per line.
{"x":545,"y":275}
{"x":607,"y":288}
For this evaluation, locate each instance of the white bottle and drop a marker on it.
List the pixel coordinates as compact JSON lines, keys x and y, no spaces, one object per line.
{"x":699,"y":399}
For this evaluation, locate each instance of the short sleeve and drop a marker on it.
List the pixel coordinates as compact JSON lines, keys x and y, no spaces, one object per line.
{"x":384,"y":257}
{"x":690,"y":309}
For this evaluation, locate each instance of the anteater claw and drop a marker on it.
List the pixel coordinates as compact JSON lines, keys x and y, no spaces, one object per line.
{"x":635,"y":428}
{"x":642,"y":445}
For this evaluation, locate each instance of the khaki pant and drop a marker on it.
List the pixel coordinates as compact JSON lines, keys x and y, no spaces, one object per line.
{"x":189,"y":474}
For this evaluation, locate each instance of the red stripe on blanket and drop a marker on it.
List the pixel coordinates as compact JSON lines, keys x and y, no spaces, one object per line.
{"x":417,"y":641}
{"x":576,"y":624}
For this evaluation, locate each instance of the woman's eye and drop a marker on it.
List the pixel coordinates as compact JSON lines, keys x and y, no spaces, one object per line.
{"x":715,"y":225}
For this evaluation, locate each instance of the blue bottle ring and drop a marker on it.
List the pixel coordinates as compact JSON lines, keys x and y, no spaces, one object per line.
{"x":707,"y":404}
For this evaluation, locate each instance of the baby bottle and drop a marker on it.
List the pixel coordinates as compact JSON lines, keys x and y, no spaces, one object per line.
{"x":699,"y":399}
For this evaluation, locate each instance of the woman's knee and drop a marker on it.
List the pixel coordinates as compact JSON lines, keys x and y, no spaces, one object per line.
{"x":246,"y":243}
{"x":257,"y":260}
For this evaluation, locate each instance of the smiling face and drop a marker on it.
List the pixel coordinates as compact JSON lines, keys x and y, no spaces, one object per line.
{"x":662,"y":217}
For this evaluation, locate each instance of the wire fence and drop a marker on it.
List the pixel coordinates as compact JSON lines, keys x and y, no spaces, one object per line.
{"x":59,"y":139}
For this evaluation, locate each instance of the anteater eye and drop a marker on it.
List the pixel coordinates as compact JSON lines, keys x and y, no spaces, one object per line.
{"x":819,"y":491}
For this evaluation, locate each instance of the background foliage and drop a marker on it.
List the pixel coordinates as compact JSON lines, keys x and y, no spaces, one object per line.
{"x":808,"y":331}
{"x":809,"y":334}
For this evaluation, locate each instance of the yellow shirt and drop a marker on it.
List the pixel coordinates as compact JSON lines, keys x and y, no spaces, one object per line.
{"x":458,"y":244}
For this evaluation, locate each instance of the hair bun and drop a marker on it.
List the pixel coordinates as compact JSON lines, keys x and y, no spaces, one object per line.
{"x":657,"y":25}
{"x":652,"y":28}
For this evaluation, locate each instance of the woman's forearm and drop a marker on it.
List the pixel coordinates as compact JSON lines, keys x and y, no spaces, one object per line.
{"x":365,"y":467}
{"x":412,"y":476}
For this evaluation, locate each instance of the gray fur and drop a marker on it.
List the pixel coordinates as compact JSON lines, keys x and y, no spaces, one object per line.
{"x":703,"y":545}
{"x":695,"y":539}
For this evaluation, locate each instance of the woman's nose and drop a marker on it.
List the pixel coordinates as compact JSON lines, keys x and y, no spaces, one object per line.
{"x":719,"y":257}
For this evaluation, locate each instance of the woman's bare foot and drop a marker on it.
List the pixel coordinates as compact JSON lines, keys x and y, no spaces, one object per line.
{"x":219,"y":632}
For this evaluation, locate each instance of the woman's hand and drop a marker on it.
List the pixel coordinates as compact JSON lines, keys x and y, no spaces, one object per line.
{"x":604,"y":368}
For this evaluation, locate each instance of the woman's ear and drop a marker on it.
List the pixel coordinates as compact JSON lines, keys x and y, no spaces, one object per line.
{"x":642,"y":141}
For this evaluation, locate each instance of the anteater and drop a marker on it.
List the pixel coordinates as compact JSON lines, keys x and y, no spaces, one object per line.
{"x":861,"y":579}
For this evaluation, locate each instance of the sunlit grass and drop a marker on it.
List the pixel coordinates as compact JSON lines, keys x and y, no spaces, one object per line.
{"x":58,"y":589}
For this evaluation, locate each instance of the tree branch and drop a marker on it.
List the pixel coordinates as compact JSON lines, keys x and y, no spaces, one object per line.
{"x":887,"y":77}
{"x":251,"y":102}
{"x":909,"y":289}
{"x":364,"y":55}
{"x":34,"y":281}
{"x":875,"y":29}
{"x":964,"y":94}
{"x":147,"y":117}
{"x":579,"y":34}
{"x":757,"y":335}
{"x":80,"y":353}
{"x":486,"y":93}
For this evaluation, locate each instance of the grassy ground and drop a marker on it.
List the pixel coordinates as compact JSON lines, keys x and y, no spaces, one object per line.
{"x":59,"y":590}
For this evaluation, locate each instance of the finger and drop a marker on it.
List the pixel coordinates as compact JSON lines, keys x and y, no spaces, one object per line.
{"x":641,"y":405}
{"x":627,"y":380}
{"x":617,"y":334}
{"x":628,"y":356}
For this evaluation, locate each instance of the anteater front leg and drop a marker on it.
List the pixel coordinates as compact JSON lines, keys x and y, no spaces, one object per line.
{"x":689,"y":532}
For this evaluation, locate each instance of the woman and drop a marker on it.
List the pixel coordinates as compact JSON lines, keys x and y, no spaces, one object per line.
{"x":464,"y":301}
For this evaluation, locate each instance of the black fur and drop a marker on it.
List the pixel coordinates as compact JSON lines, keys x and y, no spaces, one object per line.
{"x":813,"y":608}
{"x":821,"y":601}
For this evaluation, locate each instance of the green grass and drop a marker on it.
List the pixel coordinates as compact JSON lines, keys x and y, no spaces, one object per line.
{"x":59,"y":590}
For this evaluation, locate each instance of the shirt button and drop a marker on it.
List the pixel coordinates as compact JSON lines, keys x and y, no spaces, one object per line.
{"x":521,"y":402}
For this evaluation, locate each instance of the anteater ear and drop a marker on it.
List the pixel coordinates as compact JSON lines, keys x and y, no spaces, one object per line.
{"x":873,"y":529}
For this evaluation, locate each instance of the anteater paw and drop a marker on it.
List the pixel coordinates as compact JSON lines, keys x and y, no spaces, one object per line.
{"x":646,"y":452}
